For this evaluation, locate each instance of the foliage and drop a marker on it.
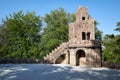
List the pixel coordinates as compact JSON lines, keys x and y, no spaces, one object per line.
{"x":118,"y":27}
{"x":111,"y":50}
{"x":98,"y":33}
{"x":56,"y":30}
{"x":22,"y":35}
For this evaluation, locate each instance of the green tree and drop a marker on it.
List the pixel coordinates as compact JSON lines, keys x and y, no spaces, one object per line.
{"x":118,"y":27}
{"x":56,"y":30}
{"x":22,"y":35}
{"x":3,"y":39}
{"x":98,"y":33}
{"x":111,"y":50}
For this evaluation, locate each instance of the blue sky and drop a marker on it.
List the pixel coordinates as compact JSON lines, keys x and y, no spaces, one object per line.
{"x":106,"y":12}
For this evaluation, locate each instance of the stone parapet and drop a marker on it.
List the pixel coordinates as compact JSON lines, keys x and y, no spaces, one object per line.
{"x":85,"y":43}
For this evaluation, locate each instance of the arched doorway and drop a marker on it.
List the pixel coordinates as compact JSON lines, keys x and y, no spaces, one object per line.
{"x":80,"y":58}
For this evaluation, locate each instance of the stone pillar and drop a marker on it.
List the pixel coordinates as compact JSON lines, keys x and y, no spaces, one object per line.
{"x":72,"y":57}
{"x":66,"y":57}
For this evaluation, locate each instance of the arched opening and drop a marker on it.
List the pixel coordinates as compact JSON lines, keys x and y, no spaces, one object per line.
{"x":80,"y":58}
{"x":60,"y":59}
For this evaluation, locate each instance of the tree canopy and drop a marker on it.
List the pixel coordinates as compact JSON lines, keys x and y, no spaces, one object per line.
{"x":117,"y":27}
{"x":56,"y":30}
{"x":111,"y":49}
{"x":22,"y":35}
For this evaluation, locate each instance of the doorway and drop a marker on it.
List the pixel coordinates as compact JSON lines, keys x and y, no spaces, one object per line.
{"x":80,"y":58}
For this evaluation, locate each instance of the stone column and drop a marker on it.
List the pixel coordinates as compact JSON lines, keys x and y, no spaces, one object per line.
{"x":72,"y":57}
{"x":66,"y":57}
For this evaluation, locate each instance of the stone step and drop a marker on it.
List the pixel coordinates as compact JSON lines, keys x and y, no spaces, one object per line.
{"x":56,"y":52}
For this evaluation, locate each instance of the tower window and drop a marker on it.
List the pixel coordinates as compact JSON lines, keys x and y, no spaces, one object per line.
{"x":83,"y":36}
{"x":83,"y":18}
{"x":88,"y":35}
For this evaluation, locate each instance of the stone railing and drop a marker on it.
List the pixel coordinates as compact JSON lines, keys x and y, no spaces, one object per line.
{"x":56,"y":52}
{"x":84,"y":43}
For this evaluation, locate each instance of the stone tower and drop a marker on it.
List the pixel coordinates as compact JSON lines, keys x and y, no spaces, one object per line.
{"x":82,"y":48}
{"x":83,"y":28}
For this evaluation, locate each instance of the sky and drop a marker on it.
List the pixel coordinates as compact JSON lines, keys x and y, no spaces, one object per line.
{"x":105,"y":12}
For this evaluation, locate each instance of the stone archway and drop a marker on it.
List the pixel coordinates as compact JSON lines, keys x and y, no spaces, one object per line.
{"x":80,"y":58}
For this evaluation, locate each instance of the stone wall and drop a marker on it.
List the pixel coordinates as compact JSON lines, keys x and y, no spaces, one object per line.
{"x":21,"y":61}
{"x":111,"y":65}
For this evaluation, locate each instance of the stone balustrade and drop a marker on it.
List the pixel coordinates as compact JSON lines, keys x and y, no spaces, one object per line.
{"x":85,"y":43}
{"x":56,"y":52}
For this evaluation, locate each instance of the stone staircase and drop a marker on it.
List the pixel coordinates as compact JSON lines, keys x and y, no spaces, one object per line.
{"x":56,"y":52}
{"x":51,"y":57}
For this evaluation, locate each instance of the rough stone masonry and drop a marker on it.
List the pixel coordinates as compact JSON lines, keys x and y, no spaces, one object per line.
{"x":82,"y":48}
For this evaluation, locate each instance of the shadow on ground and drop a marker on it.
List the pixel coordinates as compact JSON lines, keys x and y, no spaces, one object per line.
{"x":55,"y":72}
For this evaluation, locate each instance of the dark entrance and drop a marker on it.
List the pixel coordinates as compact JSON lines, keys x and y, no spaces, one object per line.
{"x":60,"y":59}
{"x":80,"y":57}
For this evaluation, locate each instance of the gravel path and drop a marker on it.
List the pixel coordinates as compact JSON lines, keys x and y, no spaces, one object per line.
{"x":55,"y":72}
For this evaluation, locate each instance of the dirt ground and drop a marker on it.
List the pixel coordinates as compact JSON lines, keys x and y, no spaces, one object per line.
{"x":55,"y":72}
